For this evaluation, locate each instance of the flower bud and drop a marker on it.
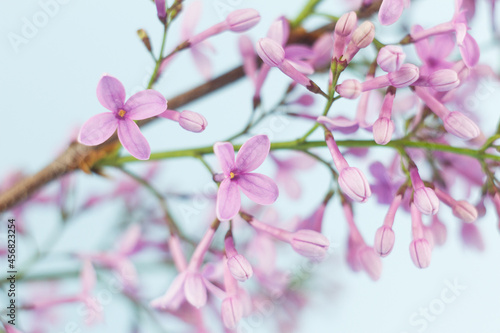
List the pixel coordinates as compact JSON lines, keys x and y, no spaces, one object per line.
{"x":390,"y":58}
{"x":350,"y":89}
{"x":309,"y":243}
{"x":242,"y":19}
{"x":405,"y":76}
{"x":354,"y":184}
{"x":382,"y":130}
{"x":270,"y":52}
{"x":231,"y":312}
{"x":426,"y":201}
{"x":363,"y":35}
{"x":240,"y":268}
{"x":465,"y":211}
{"x":443,"y":80}
{"x":192,"y":121}
{"x":161,"y":10}
{"x":371,"y":262}
{"x":384,"y":240}
{"x":461,"y":126}
{"x":346,"y":24}
{"x":421,"y":252}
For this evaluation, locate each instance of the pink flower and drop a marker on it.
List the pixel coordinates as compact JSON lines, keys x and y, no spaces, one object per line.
{"x":390,"y":58}
{"x":287,"y":169}
{"x":189,"y":120}
{"x":420,"y":247}
{"x":237,"y":176}
{"x":425,"y":198}
{"x":111,"y":95}
{"x":161,"y":10}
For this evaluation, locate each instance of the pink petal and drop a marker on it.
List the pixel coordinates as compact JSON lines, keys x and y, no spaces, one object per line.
{"x":98,"y":129}
{"x":422,"y":46}
{"x":390,"y":11}
{"x":145,"y":104}
{"x":253,"y":152}
{"x":195,"y":290}
{"x":129,"y":239}
{"x":132,"y":139}
{"x":228,"y":200}
{"x":443,"y":46}
{"x":174,"y":295}
{"x":279,"y":30}
{"x":191,"y":18}
{"x":110,"y":93}
{"x":469,"y":51}
{"x":88,"y":277}
{"x":202,"y":62}
{"x":225,"y":154}
{"x":258,"y":188}
{"x":302,"y":66}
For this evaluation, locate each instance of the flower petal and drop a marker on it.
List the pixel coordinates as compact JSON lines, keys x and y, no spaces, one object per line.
{"x":145,"y":104}
{"x":202,"y":62}
{"x":390,"y":11}
{"x":174,"y":295}
{"x":253,"y":153}
{"x":469,"y":51}
{"x":228,"y":200}
{"x":111,"y":93}
{"x":132,"y":139}
{"x":98,"y":129}
{"x":191,"y":18}
{"x":258,"y":188}
{"x":195,"y":290}
{"x":225,"y":154}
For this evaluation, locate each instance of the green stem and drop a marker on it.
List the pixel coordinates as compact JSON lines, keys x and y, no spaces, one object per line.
{"x":302,"y":146}
{"x":306,"y":11}
{"x":160,"y":58}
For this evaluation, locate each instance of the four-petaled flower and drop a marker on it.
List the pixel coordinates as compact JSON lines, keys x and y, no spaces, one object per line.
{"x":237,"y":175}
{"x":111,"y":95}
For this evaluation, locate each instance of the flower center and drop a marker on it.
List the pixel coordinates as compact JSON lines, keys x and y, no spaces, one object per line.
{"x":121,"y":113}
{"x":231,"y":175}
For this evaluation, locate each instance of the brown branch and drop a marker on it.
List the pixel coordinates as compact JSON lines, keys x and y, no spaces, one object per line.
{"x":78,"y":156}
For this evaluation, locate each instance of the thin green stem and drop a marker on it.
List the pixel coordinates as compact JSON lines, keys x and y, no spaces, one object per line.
{"x":304,"y":13}
{"x":302,"y":146}
{"x":154,"y":76}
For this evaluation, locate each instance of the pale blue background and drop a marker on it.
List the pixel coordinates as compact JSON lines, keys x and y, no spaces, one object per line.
{"x":47,"y":90}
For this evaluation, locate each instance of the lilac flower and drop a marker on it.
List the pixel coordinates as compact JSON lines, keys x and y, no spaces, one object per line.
{"x":111,"y":95}
{"x":391,"y":10}
{"x":237,"y":176}
{"x":189,"y":120}
{"x":161,"y":9}
{"x":384,"y":238}
{"x":238,"y":265}
{"x":341,"y":35}
{"x":390,"y":58}
{"x":466,"y":43}
{"x":425,"y":198}
{"x":287,"y":168}
{"x":420,"y":247}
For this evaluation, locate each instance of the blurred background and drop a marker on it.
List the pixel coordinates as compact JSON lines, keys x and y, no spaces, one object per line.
{"x":47,"y":87}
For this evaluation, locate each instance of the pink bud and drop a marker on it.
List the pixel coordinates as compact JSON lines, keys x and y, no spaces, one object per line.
{"x":242,"y":19}
{"x":192,"y":121}
{"x":383,"y":129}
{"x":363,"y":35}
{"x":390,"y":58}
{"x":384,"y":240}
{"x":354,"y":184}
{"x":465,"y":211}
{"x":240,"y":268}
{"x":405,"y":76}
{"x":270,"y":52}
{"x":346,"y":24}
{"x":232,"y":312}
{"x":426,"y":200}
{"x":350,"y":89}
{"x":161,"y":9}
{"x":443,"y":80}
{"x":309,"y":243}
{"x":343,"y":29}
{"x":461,"y":126}
{"x":370,"y":261}
{"x":420,"y":251}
